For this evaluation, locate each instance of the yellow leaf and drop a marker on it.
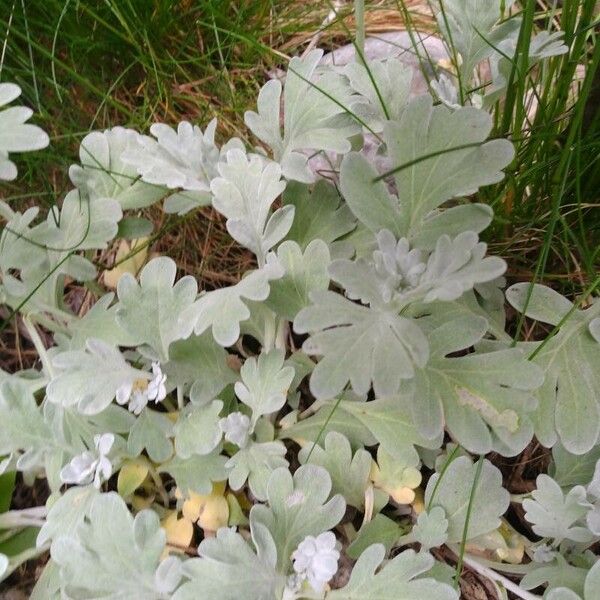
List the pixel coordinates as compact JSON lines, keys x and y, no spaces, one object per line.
{"x":219,"y":488}
{"x":374,"y":474}
{"x":141,"y":502}
{"x":192,"y":506}
{"x":179,"y":531}
{"x":172,"y":415}
{"x":514,"y":549}
{"x":503,"y":544}
{"x":448,"y":65}
{"x":419,"y":501}
{"x":236,"y":514}
{"x":402,"y":495}
{"x":131,"y":476}
{"x":210,"y":511}
{"x":132,"y":265}
{"x":215,"y":514}
{"x":243,"y":500}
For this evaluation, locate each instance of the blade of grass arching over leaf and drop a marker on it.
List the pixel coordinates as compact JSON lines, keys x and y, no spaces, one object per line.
{"x":74,"y":246}
{"x":576,"y":306}
{"x":447,"y":463}
{"x":361,"y":57}
{"x":23,"y":196}
{"x":324,"y":427}
{"x":463,"y":543}
{"x":336,"y":102}
{"x":427,"y":156}
{"x":514,"y":63}
{"x":14,"y":311}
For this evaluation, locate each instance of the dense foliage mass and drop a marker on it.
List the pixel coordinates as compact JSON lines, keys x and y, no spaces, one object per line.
{"x":331,"y":405}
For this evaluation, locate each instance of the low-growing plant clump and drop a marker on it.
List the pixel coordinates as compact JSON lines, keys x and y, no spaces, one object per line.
{"x":319,"y":429}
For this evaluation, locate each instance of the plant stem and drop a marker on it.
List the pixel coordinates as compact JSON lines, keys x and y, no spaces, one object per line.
{"x":521,"y":569}
{"x":511,"y":586}
{"x":270,"y":333}
{"x":39,"y":346}
{"x":518,"y":498}
{"x":450,"y":458}
{"x":53,"y":324}
{"x":27,"y":517}
{"x":281,"y":333}
{"x":164,"y":497}
{"x":369,"y":501}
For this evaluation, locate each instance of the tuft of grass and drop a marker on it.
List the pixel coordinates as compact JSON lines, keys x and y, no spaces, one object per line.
{"x":87,"y":65}
{"x":547,"y":208}
{"x":92,"y":65}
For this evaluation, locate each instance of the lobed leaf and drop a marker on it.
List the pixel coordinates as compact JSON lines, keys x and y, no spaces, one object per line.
{"x":349,"y":473}
{"x":298,"y":507}
{"x":91,"y":559}
{"x":484,"y":399}
{"x":244,"y":193}
{"x":490,"y":499}
{"x":360,"y":345}
{"x":90,"y":378}
{"x":312,"y":120}
{"x":104,"y":174}
{"x":399,"y":579}
{"x":231,"y":569}
{"x":569,"y":407}
{"x":150,"y":311}
{"x":304,"y":273}
{"x":265,"y":383}
{"x":222,"y":310}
